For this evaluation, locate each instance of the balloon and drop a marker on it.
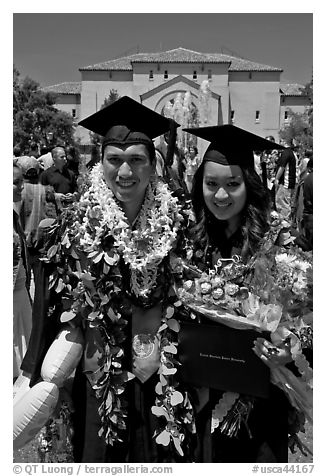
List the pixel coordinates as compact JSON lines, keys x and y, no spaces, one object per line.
{"x":63,"y":356}
{"x":32,"y":411}
{"x":21,"y":386}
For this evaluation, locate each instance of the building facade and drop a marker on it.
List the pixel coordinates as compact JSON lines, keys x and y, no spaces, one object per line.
{"x":244,"y":93}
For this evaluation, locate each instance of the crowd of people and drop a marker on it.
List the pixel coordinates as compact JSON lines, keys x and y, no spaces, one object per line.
{"x":112,"y":266}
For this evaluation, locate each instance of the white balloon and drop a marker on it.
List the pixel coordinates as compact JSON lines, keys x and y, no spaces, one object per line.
{"x":63,"y":356}
{"x":32,"y":411}
{"x":21,"y":386}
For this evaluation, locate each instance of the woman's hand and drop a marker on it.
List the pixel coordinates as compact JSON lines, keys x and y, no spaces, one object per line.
{"x":270,"y":354}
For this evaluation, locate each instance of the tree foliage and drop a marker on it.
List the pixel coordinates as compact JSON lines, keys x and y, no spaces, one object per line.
{"x":300,"y":126}
{"x":35,"y":116}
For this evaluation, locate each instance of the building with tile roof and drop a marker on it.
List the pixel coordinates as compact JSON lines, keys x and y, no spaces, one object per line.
{"x":243,"y":92}
{"x":68,"y":97}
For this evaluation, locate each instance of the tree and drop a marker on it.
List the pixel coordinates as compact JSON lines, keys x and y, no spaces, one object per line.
{"x":36,"y":117}
{"x":300,"y":127}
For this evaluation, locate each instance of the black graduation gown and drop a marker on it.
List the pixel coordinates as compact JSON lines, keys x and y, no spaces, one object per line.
{"x":268,"y":420}
{"x":139,"y":444}
{"x":268,"y":441}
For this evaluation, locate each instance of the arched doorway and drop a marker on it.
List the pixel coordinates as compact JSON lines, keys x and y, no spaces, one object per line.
{"x":181,"y":106}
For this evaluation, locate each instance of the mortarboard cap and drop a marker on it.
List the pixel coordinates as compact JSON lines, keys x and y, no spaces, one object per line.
{"x":126,"y":121}
{"x":231,"y":145}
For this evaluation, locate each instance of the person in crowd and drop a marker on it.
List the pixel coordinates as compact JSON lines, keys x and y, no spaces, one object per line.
{"x":191,"y":164}
{"x":22,"y":311}
{"x":257,"y":163}
{"x":34,"y":208}
{"x":34,"y":150}
{"x":298,"y":196}
{"x":285,"y":181}
{"x":305,"y":237}
{"x":232,"y":210}
{"x":132,"y":219}
{"x":61,"y":179}
{"x":308,"y":204}
{"x":159,"y":163}
{"x":269,"y":161}
{"x":17,"y":151}
{"x":73,"y":160}
{"x":173,"y":168}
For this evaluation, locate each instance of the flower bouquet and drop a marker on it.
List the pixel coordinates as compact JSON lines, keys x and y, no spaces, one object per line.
{"x":272,"y":292}
{"x":222,"y":296}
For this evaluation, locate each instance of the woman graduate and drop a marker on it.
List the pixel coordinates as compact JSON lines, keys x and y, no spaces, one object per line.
{"x":109,"y":274}
{"x":232,"y":227}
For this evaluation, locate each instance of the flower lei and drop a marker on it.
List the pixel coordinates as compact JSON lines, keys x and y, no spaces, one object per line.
{"x":142,"y":248}
{"x":89,"y":243}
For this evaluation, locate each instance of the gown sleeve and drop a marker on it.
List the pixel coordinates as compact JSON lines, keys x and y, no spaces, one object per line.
{"x":44,"y":327}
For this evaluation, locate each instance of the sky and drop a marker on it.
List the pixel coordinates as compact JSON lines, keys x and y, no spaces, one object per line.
{"x":51,"y":47}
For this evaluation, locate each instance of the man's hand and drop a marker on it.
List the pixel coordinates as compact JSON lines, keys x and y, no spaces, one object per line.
{"x":65,"y":197}
{"x":68,"y":197}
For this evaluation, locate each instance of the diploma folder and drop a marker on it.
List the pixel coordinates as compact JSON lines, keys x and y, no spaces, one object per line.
{"x":219,"y":357}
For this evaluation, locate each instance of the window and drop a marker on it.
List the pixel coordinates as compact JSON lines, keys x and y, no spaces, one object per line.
{"x":166,"y":74}
{"x":286,"y":115}
{"x":194,"y":75}
{"x":151,"y":74}
{"x":257,"y":116}
{"x":232,"y":115}
{"x":73,"y":113}
{"x":250,"y":75}
{"x":209,"y":74}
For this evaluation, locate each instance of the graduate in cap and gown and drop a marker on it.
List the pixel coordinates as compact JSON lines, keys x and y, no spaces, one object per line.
{"x":232,"y":213}
{"x":110,"y":276}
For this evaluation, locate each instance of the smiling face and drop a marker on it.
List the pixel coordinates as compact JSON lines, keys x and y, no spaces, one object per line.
{"x":224,"y":191}
{"x":127,"y":170}
{"x":18,"y":184}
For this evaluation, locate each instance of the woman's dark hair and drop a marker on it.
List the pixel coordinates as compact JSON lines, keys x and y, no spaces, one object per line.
{"x":254,"y":224}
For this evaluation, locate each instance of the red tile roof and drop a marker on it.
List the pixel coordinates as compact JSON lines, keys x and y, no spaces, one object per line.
{"x":64,"y":88}
{"x":118,"y":64}
{"x":179,"y":55}
{"x":291,"y":89}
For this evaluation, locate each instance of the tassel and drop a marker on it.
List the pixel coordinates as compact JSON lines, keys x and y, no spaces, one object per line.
{"x":237,"y":415}
{"x":171,"y":143}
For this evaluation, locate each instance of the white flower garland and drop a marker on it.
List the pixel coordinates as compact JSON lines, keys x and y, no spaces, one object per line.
{"x":143,"y":247}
